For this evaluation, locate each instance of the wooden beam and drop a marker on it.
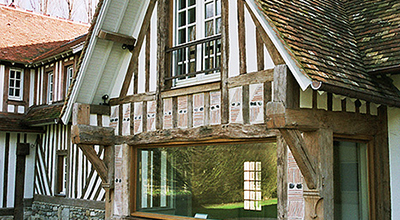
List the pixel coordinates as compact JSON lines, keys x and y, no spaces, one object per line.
{"x":212,"y":134}
{"x":224,"y":62}
{"x":241,"y":37}
{"x":299,"y":150}
{"x":251,"y":78}
{"x":191,"y":90}
{"x":142,"y":97}
{"x":116,"y":37}
{"x":92,"y":135}
{"x":313,"y":119}
{"x":97,"y":163}
{"x":100,"y":109}
{"x":286,"y":89}
{"x":282,"y":173}
{"x":274,"y":53}
{"x":135,"y":53}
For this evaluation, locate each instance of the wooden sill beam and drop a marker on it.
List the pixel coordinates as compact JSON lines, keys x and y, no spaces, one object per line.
{"x":116,"y":37}
{"x":92,"y":135}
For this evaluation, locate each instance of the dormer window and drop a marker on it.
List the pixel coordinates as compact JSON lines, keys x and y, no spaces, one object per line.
{"x":15,"y":83}
{"x":197,"y":42}
{"x":69,"y":76}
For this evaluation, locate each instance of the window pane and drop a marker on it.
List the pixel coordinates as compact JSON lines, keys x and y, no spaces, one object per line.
{"x":182,"y":36}
{"x":192,"y":2}
{"x":17,"y":92}
{"x":182,"y":19}
{"x":11,"y":92}
{"x":192,"y":33}
{"x":218,"y":31}
{"x":218,"y":7}
{"x":182,"y":4}
{"x":223,"y":181}
{"x":192,"y":15}
{"x":209,"y":10}
{"x":18,"y":75}
{"x":12,"y":83}
{"x":209,"y":28}
{"x":12,"y":74}
{"x":351,"y":180}
{"x":17,"y":83}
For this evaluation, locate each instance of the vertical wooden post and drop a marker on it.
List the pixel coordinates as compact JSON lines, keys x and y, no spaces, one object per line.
{"x":224,"y":62}
{"x":286,"y":89}
{"x":22,"y":151}
{"x":282,"y":166}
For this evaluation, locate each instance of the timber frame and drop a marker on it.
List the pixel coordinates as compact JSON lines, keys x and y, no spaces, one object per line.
{"x":308,"y":133}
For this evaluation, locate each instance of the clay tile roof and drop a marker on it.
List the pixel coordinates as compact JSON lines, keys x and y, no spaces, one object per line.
{"x":25,"y":35}
{"x":42,"y":114}
{"x":329,"y":39}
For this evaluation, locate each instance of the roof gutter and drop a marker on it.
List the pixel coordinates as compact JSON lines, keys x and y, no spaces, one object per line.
{"x":318,"y":85}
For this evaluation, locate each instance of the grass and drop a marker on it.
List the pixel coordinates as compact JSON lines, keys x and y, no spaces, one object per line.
{"x":237,"y":205}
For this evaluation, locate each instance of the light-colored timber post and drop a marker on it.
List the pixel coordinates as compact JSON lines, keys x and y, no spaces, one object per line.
{"x":104,"y":168}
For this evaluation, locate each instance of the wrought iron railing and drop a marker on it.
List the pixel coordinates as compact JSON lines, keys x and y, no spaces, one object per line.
{"x":197,"y":57}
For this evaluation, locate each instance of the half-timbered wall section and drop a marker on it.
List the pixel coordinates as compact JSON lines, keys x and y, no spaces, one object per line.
{"x":80,"y":179}
{"x":8,"y":166}
{"x":214,"y":75}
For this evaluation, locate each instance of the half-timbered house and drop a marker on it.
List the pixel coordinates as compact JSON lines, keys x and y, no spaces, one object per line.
{"x":39,"y":166}
{"x":247,"y":109}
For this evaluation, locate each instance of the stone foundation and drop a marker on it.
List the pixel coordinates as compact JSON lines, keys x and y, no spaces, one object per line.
{"x":41,"y":210}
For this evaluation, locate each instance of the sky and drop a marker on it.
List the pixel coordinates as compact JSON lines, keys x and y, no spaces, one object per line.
{"x":57,"y":8}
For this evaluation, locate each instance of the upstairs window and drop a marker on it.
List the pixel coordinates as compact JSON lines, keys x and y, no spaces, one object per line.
{"x":197,"y":42}
{"x":69,"y":76}
{"x":62,"y":174}
{"x":15,"y":85}
{"x":50,"y":87}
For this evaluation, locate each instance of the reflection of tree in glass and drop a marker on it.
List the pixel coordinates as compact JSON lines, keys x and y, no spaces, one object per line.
{"x":214,"y":174}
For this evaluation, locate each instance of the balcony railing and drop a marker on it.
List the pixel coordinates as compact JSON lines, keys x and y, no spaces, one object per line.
{"x":194,"y":58}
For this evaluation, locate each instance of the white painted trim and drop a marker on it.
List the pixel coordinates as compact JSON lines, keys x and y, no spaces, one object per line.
{"x":90,"y":47}
{"x":303,"y":80}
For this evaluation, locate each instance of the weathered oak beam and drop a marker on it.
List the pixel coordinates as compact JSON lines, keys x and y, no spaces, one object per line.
{"x":116,"y":37}
{"x":92,"y":135}
{"x":313,"y":119}
{"x":224,"y":133}
{"x":251,"y":78}
{"x":97,"y":163}
{"x":191,"y":90}
{"x":142,"y":97}
{"x":100,"y":109}
{"x":299,"y":150}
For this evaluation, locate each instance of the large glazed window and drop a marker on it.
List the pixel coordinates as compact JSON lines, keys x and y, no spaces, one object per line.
{"x":15,"y":85}
{"x":197,"y":42}
{"x":351,"y":181}
{"x":218,"y":181}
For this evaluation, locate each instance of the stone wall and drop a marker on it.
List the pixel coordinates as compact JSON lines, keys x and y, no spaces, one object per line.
{"x":41,"y":210}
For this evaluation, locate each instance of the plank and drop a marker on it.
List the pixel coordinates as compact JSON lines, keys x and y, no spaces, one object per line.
{"x":116,"y":37}
{"x":260,"y":51}
{"x":100,"y":109}
{"x":286,"y":89}
{"x":224,"y":62}
{"x":241,"y":37}
{"x":282,"y":176}
{"x":97,"y":163}
{"x":141,"y":97}
{"x":92,"y":135}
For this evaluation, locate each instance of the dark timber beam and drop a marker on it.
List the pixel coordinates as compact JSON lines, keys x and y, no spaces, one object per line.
{"x":300,"y":152}
{"x":116,"y":37}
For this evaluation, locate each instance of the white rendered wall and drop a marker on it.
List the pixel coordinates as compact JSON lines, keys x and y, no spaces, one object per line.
{"x":394,"y":153}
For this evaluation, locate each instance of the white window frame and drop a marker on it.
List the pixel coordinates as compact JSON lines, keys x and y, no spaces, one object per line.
{"x":14,"y":87}
{"x":200,"y":27}
{"x":69,"y":77}
{"x":50,"y":87}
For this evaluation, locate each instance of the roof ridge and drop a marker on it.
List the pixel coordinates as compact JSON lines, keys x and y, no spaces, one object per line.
{"x":19,"y":9}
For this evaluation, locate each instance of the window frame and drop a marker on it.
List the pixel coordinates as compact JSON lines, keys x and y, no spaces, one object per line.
{"x":62,"y":173}
{"x":21,"y":85}
{"x":133,"y":186}
{"x":200,"y":35}
{"x":50,"y":87}
{"x":68,"y":78}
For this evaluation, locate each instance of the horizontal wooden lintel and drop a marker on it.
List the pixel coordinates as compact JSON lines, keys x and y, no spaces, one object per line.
{"x":191,"y":90}
{"x":116,"y":37}
{"x":100,"y":109}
